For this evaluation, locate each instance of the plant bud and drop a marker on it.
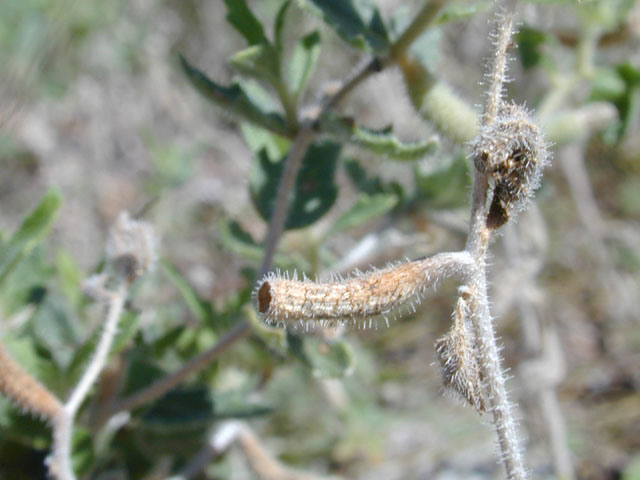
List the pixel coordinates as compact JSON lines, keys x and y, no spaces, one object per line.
{"x":513,"y":152}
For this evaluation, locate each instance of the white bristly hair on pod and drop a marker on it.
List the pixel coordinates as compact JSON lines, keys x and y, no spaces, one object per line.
{"x":361,"y":297}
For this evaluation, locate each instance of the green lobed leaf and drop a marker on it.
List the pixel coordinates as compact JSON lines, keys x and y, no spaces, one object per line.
{"x":303,"y":62}
{"x":245,"y":22}
{"x":382,"y":142}
{"x":315,"y":190}
{"x":344,"y":18}
{"x":258,"y":61}
{"x":35,"y":227}
{"x":234,"y":100}
{"x":366,"y":208}
{"x":445,"y":186}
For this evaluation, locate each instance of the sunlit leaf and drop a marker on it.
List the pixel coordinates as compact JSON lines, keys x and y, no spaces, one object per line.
{"x":35,"y":227}
{"x":303,"y":62}
{"x":234,"y":100}
{"x":259,"y":61}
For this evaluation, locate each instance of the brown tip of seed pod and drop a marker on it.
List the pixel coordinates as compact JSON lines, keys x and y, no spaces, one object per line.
{"x":264,"y":297}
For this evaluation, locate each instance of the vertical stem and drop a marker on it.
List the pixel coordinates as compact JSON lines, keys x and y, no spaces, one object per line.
{"x":60,"y":463}
{"x":498,"y":70}
{"x":488,"y":356}
{"x":280,"y":211}
{"x":477,"y":245}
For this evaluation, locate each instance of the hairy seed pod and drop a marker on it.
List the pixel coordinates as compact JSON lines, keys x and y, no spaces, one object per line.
{"x":25,"y":391}
{"x":289,"y":302}
{"x":457,"y":356}
{"x":512,"y":151}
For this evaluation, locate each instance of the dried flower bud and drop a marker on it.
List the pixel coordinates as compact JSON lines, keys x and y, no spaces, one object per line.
{"x":131,"y":247}
{"x":512,"y":151}
{"x":457,"y":355}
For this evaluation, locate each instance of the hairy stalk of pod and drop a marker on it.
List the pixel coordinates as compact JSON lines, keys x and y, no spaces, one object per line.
{"x":513,"y":152}
{"x":457,"y":356}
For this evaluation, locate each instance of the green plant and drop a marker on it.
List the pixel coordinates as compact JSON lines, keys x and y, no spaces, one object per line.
{"x":300,"y":148}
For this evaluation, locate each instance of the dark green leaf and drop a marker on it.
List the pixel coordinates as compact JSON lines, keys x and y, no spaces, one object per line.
{"x":35,"y":227}
{"x":181,"y":408}
{"x":245,"y":22}
{"x":343,"y":17}
{"x":303,"y":62}
{"x":142,"y":372}
{"x":445,"y":186}
{"x":82,"y":447}
{"x":371,"y":185}
{"x":315,"y":190}
{"x":22,"y":427}
{"x":378,"y":28}
{"x":530,"y":43}
{"x":176,"y":423}
{"x":234,"y":100}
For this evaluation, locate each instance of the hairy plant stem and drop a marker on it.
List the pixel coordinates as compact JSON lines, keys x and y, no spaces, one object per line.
{"x":60,"y":461}
{"x":488,"y":355}
{"x":477,"y":245}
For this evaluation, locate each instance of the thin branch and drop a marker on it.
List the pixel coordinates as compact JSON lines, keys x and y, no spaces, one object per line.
{"x":60,"y":460}
{"x":169,"y":382}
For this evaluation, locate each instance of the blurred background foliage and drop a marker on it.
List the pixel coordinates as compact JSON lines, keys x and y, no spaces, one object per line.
{"x":99,"y":113}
